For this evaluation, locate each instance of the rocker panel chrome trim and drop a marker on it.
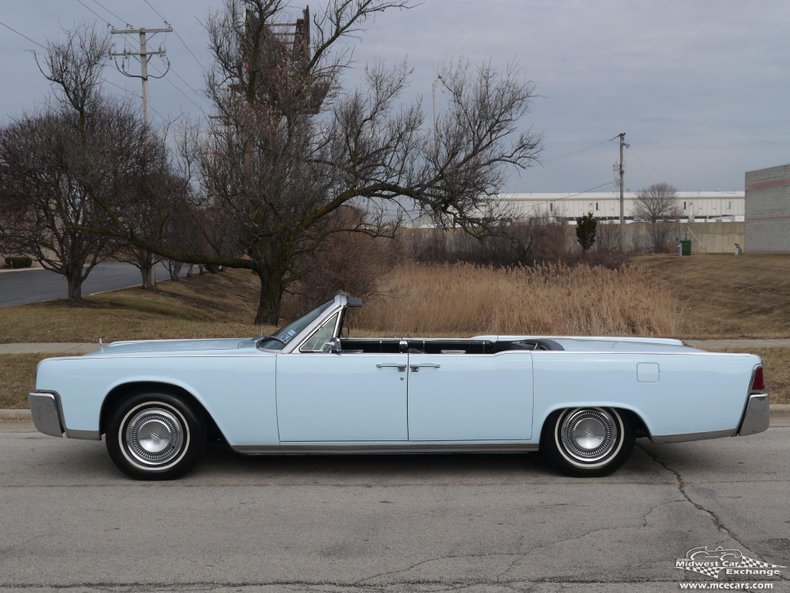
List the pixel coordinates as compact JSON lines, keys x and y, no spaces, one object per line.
{"x":383,"y":448}
{"x":88,"y":435}
{"x":693,"y":436}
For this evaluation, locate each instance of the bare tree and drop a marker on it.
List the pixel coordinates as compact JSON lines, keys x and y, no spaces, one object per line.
{"x":74,"y":166}
{"x":657,"y":205}
{"x":290,"y":147}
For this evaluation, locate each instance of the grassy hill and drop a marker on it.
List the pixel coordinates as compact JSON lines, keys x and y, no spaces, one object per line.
{"x":724,"y":296}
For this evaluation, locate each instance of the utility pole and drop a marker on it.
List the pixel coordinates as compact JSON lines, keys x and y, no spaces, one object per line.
{"x":143,"y":57}
{"x":621,"y":135}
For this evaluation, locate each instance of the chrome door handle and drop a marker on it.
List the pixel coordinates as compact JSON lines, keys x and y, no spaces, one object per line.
{"x":415,"y":368}
{"x":392,"y":365}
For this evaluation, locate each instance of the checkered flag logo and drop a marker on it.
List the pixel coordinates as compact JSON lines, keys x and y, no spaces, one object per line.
{"x":708,"y":571}
{"x":711,"y":563}
{"x":747,"y":562}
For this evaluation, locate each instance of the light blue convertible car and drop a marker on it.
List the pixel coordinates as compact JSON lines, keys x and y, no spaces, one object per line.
{"x":310,"y":389}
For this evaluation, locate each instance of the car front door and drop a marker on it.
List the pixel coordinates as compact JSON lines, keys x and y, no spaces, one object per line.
{"x":327,"y":397}
{"x":470,"y":397}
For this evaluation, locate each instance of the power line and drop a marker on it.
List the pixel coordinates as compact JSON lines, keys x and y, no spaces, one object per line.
{"x":584,"y":191}
{"x":112,"y":13}
{"x":187,"y":97}
{"x":189,"y":86}
{"x":118,"y":86}
{"x":33,"y":41}
{"x":179,"y":88}
{"x":641,"y":163}
{"x":574,"y":153}
{"x":96,"y":14}
{"x":175,"y":32}
{"x":135,"y":95}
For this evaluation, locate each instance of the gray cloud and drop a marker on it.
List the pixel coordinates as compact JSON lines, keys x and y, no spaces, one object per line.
{"x":699,"y":87}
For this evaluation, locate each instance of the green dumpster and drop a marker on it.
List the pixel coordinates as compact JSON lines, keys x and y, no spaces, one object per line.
{"x":685,"y":247}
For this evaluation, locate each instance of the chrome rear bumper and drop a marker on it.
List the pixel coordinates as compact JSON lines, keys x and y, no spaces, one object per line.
{"x":45,"y":409}
{"x":757,"y":415}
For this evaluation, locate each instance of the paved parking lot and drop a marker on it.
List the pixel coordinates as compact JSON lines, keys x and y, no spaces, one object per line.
{"x":339,"y":524}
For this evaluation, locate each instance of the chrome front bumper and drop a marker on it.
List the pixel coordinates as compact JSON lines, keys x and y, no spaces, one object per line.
{"x":45,"y":409}
{"x":757,"y":415}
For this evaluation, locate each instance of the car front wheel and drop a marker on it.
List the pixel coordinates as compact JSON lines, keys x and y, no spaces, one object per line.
{"x":587,"y":441}
{"x":155,"y":436}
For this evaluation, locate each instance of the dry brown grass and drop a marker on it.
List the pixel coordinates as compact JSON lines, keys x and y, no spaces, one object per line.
{"x":776,"y":362}
{"x":17,"y":374}
{"x":723,"y":296}
{"x":462,"y":299}
{"x":211,"y":305}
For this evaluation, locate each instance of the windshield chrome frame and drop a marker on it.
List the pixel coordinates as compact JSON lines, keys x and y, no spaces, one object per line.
{"x":294,"y":345}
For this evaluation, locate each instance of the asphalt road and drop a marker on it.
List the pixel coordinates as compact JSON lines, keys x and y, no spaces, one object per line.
{"x":36,"y":285}
{"x":71,"y":522}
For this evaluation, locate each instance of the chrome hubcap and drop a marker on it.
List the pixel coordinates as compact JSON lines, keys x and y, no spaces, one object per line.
{"x":154,"y":436}
{"x":589,"y":435}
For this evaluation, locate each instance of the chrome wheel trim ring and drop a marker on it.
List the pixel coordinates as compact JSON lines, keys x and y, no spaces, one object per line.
{"x":154,"y":436}
{"x":589,"y":437}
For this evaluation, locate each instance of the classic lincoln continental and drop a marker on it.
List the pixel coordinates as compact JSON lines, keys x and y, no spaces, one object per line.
{"x":310,"y":388}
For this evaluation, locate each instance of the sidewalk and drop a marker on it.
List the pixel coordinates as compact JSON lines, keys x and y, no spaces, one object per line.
{"x":49,"y":348}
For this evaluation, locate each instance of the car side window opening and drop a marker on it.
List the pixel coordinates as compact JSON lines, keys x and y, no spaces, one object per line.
{"x":321,"y":336}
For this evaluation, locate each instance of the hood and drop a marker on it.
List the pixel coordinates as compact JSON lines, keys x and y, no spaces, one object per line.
{"x":174,"y":346}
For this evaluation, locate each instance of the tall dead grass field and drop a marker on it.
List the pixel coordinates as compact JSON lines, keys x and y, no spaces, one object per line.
{"x":464,"y":299}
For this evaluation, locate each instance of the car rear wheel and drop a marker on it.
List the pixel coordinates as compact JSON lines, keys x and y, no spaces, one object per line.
{"x":155,"y":436}
{"x":587,"y":441}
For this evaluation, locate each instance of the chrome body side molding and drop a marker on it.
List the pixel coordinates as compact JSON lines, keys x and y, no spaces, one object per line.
{"x":88,"y":435}
{"x":693,"y":436}
{"x":383,"y":448}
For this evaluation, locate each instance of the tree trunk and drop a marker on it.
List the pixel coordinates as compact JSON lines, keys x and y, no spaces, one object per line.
{"x":270,"y":298}
{"x":147,"y":272}
{"x":74,"y":281}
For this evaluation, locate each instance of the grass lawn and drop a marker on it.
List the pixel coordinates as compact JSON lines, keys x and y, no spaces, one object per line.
{"x":776,"y":363}
{"x":724,"y":296}
{"x":211,"y":305}
{"x":17,"y":377}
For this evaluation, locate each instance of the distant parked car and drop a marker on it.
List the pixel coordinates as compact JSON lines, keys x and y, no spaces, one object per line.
{"x":305,"y":389}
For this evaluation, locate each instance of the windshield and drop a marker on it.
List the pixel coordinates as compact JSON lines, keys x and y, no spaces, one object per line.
{"x":283,"y":336}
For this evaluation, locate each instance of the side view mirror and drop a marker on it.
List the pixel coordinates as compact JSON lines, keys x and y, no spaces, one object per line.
{"x":332,"y":345}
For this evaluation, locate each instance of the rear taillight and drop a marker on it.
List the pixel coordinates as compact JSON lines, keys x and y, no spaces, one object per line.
{"x":758,"y":381}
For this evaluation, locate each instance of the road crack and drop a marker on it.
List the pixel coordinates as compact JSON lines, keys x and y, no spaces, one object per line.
{"x":681,"y":485}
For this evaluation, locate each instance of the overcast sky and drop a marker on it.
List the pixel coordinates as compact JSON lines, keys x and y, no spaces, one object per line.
{"x":700,"y":87}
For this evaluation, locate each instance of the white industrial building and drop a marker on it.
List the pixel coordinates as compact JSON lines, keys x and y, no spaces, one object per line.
{"x":693,"y":206}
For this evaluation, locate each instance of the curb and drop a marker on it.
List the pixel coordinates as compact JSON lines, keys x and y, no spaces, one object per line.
{"x":9,"y":270}
{"x":22,"y":414}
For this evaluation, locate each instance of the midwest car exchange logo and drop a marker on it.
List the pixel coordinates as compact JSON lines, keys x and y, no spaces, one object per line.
{"x":725,"y":562}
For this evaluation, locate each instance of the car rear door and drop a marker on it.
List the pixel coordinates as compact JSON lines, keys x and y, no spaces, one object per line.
{"x":470,"y":397}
